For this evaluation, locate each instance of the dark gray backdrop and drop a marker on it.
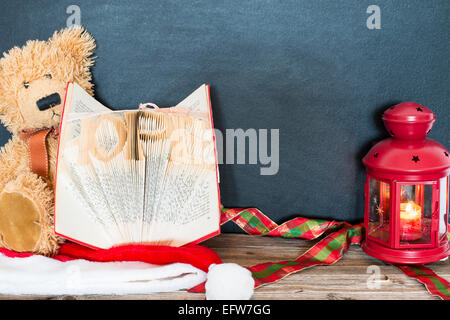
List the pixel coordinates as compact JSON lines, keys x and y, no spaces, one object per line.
{"x":310,"y":68}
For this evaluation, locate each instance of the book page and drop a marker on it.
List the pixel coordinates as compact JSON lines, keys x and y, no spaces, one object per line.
{"x":82,"y":104}
{"x":71,"y":216}
{"x":197,"y":100}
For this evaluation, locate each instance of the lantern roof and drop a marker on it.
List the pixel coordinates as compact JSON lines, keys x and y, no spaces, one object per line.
{"x":403,"y":157}
{"x":408,"y":151}
{"x":409,"y":112}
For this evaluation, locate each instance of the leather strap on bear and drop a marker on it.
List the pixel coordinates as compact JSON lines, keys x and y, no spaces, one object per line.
{"x":37,"y":147}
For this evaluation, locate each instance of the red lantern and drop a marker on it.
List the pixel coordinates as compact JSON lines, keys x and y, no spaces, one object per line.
{"x":407,"y":190}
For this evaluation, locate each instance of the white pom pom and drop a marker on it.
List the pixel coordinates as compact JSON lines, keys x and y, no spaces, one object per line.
{"x":229,"y":281}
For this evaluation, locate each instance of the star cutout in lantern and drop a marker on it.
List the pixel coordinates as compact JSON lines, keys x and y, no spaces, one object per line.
{"x":415,"y":159}
{"x":446,"y":153}
{"x":419,"y":109}
{"x":379,"y":210}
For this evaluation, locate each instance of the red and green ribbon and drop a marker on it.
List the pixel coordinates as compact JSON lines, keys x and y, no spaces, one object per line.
{"x":435,"y":284}
{"x":338,"y":236}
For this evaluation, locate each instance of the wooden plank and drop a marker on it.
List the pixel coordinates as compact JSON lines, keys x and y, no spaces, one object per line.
{"x":346,"y":279}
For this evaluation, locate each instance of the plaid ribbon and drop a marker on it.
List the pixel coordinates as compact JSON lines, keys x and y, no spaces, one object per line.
{"x":435,"y":284}
{"x":338,"y":238}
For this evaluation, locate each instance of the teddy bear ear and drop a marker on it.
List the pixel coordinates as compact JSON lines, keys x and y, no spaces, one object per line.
{"x":76,"y":42}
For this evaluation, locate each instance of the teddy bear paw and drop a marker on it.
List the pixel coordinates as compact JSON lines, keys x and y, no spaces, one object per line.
{"x":20,"y":229}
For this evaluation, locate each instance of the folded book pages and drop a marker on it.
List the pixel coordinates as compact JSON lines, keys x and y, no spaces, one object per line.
{"x":136,"y":176}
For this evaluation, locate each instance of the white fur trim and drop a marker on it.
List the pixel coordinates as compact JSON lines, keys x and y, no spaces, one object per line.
{"x":45,"y":276}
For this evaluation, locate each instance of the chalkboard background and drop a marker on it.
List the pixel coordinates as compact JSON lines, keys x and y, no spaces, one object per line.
{"x":312,"y":69}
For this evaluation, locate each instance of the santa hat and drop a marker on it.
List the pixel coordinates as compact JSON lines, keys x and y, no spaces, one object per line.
{"x":127,"y":269}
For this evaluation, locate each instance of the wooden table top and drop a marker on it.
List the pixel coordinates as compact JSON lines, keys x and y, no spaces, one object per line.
{"x":349,"y":278}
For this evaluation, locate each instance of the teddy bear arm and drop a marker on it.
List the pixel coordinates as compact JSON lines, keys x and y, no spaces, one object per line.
{"x":13,"y":160}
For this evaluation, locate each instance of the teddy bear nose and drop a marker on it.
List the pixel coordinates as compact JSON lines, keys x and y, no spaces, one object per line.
{"x":48,"y":102}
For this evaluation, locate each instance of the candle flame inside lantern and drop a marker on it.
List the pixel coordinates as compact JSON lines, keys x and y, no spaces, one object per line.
{"x":410,"y":211}
{"x":410,"y":221}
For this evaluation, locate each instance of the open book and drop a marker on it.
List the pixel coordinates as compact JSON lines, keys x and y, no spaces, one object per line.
{"x":136,"y":176}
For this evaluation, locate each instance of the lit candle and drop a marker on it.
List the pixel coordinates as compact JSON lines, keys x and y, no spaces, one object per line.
{"x":410,"y":221}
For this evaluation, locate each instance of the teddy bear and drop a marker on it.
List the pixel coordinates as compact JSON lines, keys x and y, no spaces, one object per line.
{"x":33,"y":82}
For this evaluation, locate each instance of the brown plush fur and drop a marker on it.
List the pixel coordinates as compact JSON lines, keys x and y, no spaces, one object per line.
{"x":27,"y":74}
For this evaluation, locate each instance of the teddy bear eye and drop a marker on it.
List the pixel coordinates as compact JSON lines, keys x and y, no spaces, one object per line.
{"x":48,"y":75}
{"x":26,"y":85}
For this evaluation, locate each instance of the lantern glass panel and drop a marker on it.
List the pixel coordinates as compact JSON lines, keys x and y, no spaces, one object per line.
{"x":379,"y":210}
{"x":443,"y":207}
{"x":415,"y":214}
